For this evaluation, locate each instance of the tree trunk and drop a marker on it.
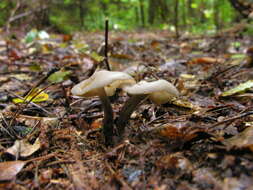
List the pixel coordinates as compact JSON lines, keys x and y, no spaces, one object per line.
{"x":142,"y":12}
{"x":176,"y":4}
{"x":81,"y":12}
{"x":151,"y":11}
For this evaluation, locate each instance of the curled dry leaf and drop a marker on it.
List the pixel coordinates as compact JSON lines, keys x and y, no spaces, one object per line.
{"x":8,"y":170}
{"x":23,"y":148}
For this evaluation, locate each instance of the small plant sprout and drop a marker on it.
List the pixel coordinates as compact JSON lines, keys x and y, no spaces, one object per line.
{"x":103,"y":84}
{"x":159,"y":92}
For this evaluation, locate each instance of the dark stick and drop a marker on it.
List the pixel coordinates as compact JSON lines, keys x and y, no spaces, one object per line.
{"x":106,"y":43}
{"x":42,"y":80}
{"x":231,"y":119}
{"x":126,"y":112}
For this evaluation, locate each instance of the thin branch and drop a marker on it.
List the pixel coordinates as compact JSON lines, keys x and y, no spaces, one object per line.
{"x":106,"y":43}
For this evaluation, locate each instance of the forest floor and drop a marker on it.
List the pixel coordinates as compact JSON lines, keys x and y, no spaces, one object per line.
{"x":203,"y":140}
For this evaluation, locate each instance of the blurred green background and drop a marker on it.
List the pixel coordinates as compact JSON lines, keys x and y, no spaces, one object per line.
{"x":66,"y":16}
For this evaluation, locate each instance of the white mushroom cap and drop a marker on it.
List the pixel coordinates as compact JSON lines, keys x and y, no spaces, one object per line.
{"x":109,"y":80}
{"x":160,"y":91}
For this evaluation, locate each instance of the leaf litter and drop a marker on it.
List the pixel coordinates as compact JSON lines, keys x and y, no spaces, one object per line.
{"x":203,"y":140}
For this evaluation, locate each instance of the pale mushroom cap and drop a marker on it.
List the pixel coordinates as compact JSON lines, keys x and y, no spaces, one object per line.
{"x":109,"y":80}
{"x":160,"y":91}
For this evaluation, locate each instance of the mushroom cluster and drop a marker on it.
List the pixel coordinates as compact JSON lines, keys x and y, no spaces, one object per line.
{"x":104,"y":83}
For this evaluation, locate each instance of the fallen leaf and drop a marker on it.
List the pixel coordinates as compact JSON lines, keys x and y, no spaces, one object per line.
{"x":171,"y":132}
{"x":96,"y":124}
{"x":241,"y":140}
{"x":66,"y":37}
{"x":35,"y":67}
{"x":185,"y":48}
{"x":33,"y":96}
{"x":31,"y":36}
{"x":238,"y":89}
{"x":8,"y":170}
{"x":205,"y":60}
{"x":23,"y":148}
{"x":174,"y":161}
{"x":122,"y":56}
{"x":238,"y":56}
{"x":185,"y":104}
{"x":59,"y":76}
{"x":97,"y":57}
{"x":21,"y":77}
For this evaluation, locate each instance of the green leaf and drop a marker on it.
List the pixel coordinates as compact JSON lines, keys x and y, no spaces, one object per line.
{"x":240,"y":88}
{"x":35,"y":67}
{"x":31,"y":36}
{"x":59,"y":76}
{"x":97,"y":57}
{"x":194,"y":5}
{"x":236,"y":44}
{"x":238,"y":56}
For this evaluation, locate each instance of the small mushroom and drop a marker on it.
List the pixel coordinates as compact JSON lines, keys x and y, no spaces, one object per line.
{"x":159,"y":92}
{"x":103,"y":84}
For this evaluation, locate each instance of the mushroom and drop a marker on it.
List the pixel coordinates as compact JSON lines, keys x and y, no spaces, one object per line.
{"x":103,"y":84}
{"x":159,"y":92}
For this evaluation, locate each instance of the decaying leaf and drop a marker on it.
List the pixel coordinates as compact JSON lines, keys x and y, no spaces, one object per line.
{"x":242,"y":140}
{"x":23,"y":148}
{"x":21,"y":77}
{"x":33,"y":120}
{"x":8,"y":170}
{"x":238,"y":89}
{"x":174,"y":161}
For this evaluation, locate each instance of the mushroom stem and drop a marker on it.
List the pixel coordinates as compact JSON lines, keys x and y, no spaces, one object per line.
{"x":126,"y":111}
{"x":108,"y":117}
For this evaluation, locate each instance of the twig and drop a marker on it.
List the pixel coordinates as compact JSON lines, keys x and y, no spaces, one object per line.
{"x":41,"y":80}
{"x":117,"y":177}
{"x":19,"y":16}
{"x":106,"y":44}
{"x":12,"y":15}
{"x":35,"y":95}
{"x":231,"y":119}
{"x":32,"y":103}
{"x":3,"y":128}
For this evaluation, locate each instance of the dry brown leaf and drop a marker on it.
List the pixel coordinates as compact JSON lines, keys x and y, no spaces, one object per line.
{"x":241,"y":140}
{"x":8,"y":170}
{"x":174,"y":161}
{"x":205,"y":60}
{"x":96,"y":124}
{"x":23,"y":148}
{"x":185,"y":48}
{"x":174,"y":133}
